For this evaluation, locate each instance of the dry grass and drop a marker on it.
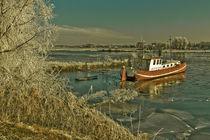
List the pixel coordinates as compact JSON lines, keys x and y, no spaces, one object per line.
{"x":75,"y":66}
{"x":9,"y":130}
{"x":64,"y":113}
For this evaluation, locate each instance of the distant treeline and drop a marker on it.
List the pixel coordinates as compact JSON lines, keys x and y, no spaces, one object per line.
{"x":190,"y":46}
{"x":163,"y":46}
{"x":96,"y":46}
{"x":177,"y":43}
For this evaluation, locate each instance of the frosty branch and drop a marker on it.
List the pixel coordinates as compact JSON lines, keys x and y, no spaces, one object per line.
{"x":22,"y":44}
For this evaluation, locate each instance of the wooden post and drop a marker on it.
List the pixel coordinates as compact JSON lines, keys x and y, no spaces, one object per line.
{"x":124,"y":74}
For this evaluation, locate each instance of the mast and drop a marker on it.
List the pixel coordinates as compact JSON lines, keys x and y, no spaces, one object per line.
{"x":142,"y":43}
{"x":170,"y":46}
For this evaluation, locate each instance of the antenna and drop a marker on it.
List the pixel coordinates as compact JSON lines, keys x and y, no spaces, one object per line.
{"x":170,"y":45}
{"x":142,"y":41}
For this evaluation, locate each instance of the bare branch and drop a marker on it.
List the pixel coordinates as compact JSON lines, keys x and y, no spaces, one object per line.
{"x":15,"y":17}
{"x":20,"y":45}
{"x":26,"y":22}
{"x":4,"y":10}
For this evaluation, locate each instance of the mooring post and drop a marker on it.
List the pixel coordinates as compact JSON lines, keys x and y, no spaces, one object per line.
{"x":124,"y":74}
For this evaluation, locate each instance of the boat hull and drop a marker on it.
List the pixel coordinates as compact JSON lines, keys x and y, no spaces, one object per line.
{"x":144,"y":75}
{"x":87,"y":78}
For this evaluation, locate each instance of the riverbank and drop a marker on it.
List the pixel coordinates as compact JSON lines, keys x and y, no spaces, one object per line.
{"x":69,"y":119}
{"x":102,"y":49}
{"x":83,"y":66}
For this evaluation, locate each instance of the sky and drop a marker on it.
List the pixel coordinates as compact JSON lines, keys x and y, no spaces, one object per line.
{"x":130,"y":21}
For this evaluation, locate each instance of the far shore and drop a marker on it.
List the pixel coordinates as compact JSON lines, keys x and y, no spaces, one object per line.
{"x":96,"y":49}
{"x":187,"y":51}
{"x":126,"y":50}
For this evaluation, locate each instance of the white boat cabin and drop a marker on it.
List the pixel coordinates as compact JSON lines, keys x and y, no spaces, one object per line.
{"x":158,"y":64}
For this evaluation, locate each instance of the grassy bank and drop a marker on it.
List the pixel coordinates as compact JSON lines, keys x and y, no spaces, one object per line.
{"x":36,"y":116}
{"x":75,"y":66}
{"x":10,"y":130}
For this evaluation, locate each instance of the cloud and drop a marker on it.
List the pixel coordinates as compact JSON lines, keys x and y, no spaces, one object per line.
{"x":69,"y":35}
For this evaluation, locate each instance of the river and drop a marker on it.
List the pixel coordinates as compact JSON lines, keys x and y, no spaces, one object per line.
{"x":174,"y":107}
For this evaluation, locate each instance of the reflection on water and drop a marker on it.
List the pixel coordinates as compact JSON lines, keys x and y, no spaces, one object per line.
{"x":154,"y":87}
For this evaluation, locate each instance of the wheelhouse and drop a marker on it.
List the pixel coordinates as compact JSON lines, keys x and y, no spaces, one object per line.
{"x":158,"y":64}
{"x":155,"y":64}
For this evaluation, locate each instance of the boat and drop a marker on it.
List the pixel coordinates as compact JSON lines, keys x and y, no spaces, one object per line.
{"x":153,"y":68}
{"x":86,"y":78}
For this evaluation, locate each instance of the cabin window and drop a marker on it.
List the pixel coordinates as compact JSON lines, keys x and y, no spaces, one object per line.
{"x":171,"y":64}
{"x":158,"y":62}
{"x":154,"y":62}
{"x":164,"y":66}
{"x":167,"y":65}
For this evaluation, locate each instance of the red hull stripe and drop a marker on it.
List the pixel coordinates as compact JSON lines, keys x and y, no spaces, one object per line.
{"x":160,"y":73}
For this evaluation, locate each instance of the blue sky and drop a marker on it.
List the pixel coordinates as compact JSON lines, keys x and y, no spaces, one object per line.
{"x":152,"y":20}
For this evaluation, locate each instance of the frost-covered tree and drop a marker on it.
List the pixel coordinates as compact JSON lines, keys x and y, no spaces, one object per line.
{"x":180,"y":43}
{"x":25,"y":36}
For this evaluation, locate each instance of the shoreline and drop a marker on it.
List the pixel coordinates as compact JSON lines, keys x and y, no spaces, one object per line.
{"x":82,"y":66}
{"x":126,"y":50}
{"x":72,"y":66}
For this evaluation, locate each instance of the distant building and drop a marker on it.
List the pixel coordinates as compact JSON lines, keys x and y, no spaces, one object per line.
{"x":204,"y":45}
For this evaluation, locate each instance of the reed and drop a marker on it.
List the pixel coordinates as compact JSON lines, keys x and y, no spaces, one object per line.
{"x":63,"y":112}
{"x":82,"y":66}
{"x":11,"y":131}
